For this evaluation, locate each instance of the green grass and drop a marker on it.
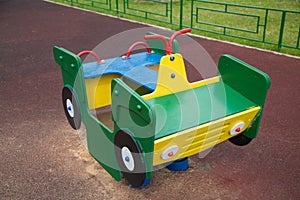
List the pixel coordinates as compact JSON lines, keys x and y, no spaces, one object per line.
{"x":157,"y":13}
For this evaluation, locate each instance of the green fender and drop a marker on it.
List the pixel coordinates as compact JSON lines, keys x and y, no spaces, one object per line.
{"x":131,"y":113}
{"x":99,"y":137}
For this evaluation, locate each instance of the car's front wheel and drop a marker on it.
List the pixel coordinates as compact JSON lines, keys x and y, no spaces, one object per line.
{"x":130,"y":160}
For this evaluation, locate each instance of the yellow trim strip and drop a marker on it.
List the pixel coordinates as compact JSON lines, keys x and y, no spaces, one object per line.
{"x":197,"y":84}
{"x":205,"y":82}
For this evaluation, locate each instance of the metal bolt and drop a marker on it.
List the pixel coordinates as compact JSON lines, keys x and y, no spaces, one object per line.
{"x":61,"y":57}
{"x":172,"y":58}
{"x":117,"y":92}
{"x":173,"y":75}
{"x":139,"y":107}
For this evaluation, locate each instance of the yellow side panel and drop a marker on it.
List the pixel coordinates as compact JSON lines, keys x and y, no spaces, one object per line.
{"x":203,"y":137}
{"x":99,"y":90}
{"x":172,"y":77}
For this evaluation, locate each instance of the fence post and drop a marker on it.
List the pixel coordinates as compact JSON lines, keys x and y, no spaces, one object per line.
{"x":298,"y":40}
{"x":171,"y":12}
{"x":117,"y":7}
{"x":281,"y":30}
{"x":180,"y":14}
{"x":192,"y":13}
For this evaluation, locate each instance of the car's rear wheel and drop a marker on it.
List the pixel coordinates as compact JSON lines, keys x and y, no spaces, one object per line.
{"x":130,"y":160}
{"x":71,"y":108}
{"x":240,"y":140}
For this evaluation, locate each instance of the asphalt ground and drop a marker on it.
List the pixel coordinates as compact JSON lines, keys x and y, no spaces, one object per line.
{"x":41,"y":156}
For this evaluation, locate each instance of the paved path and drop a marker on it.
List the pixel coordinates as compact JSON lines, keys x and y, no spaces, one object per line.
{"x":41,"y":157}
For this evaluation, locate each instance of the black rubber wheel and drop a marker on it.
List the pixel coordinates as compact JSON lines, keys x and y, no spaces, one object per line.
{"x":240,"y":140}
{"x":130,"y":159}
{"x":71,"y":108}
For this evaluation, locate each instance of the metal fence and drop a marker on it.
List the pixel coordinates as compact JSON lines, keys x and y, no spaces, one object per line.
{"x":248,"y":22}
{"x":275,"y":27}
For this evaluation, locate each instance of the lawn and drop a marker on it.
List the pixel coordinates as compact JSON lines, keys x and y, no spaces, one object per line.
{"x":251,"y":21}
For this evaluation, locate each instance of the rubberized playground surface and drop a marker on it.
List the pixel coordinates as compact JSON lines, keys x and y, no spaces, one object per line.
{"x":41,"y":156}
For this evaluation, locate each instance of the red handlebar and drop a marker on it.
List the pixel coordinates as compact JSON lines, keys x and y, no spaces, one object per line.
{"x":161,"y":38}
{"x":168,"y":45}
{"x":136,"y":44}
{"x":183,"y":31}
{"x":92,"y":53}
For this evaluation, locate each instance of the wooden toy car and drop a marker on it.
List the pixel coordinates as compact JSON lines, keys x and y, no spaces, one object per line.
{"x":148,"y":114}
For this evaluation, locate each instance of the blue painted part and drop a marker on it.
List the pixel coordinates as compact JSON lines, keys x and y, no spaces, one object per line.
{"x":179,"y":165}
{"x":146,"y":182}
{"x":134,"y":68}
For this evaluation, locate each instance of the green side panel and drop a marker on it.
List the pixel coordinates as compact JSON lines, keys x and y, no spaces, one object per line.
{"x":158,"y":45}
{"x":248,"y":81}
{"x":72,"y":73}
{"x":69,"y":63}
{"x":130,"y":112}
{"x":99,"y":138}
{"x":190,"y":108}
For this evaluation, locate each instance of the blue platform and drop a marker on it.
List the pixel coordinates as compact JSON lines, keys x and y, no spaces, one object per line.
{"x":134,"y":68}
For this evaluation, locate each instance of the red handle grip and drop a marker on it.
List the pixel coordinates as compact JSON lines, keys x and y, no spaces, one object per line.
{"x":146,"y":37}
{"x":90,"y":52}
{"x":136,"y":44}
{"x":186,"y":30}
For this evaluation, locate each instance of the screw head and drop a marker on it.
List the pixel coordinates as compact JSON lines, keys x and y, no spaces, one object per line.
{"x":172,"y":58}
{"x":173,"y":75}
{"x":116,"y":92}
